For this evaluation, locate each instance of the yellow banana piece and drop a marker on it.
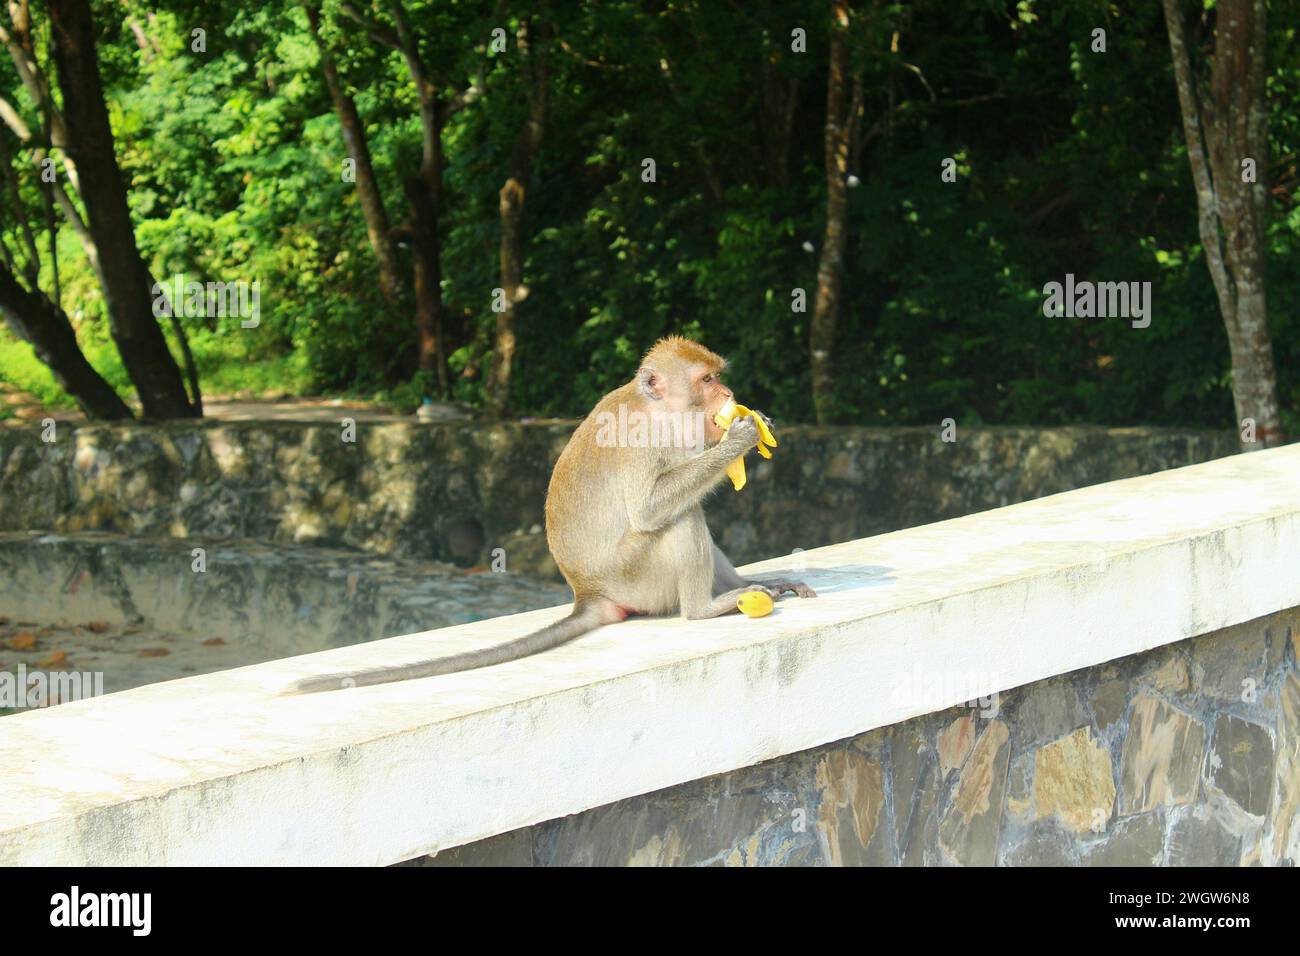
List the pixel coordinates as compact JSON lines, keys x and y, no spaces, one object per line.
{"x":727,"y":414}
{"x":754,"y":604}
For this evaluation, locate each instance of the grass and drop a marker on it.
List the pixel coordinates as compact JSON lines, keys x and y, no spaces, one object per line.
{"x":22,"y":370}
{"x":222,"y":371}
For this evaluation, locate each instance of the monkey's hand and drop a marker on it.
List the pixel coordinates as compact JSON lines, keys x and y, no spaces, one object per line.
{"x":742,"y":434}
{"x":744,"y":422}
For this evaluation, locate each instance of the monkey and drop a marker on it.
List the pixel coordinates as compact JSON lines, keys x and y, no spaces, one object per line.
{"x":624,"y":514}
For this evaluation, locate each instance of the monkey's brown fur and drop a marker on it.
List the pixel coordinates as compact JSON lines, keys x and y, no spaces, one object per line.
{"x":624,"y":519}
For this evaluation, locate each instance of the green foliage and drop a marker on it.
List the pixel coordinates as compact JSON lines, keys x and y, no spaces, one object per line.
{"x":1069,"y":162}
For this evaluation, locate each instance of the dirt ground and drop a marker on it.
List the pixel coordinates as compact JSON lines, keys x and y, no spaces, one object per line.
{"x":25,"y":408}
{"x":128,"y":656}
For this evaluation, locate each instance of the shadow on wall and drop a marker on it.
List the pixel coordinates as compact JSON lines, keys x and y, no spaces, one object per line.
{"x":842,"y":577}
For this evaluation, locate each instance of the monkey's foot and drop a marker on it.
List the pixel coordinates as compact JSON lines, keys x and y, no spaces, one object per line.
{"x":777,"y":588}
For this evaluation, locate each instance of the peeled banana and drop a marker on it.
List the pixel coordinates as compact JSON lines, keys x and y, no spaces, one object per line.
{"x":728,"y":414}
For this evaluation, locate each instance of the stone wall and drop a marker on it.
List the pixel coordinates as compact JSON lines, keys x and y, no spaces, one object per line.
{"x":454,"y":492}
{"x":1188,"y":754}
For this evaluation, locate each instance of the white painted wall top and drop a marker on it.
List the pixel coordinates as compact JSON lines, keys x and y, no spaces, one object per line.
{"x":221,"y":769}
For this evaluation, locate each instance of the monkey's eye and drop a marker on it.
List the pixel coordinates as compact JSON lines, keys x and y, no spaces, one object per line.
{"x":709,"y":377}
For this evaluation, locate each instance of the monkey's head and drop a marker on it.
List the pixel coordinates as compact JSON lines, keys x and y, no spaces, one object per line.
{"x":683,"y":377}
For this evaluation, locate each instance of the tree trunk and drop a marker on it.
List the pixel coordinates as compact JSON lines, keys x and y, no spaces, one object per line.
{"x":425,"y":209}
{"x":830,"y":266}
{"x":1223,"y":127}
{"x":511,"y":205}
{"x":354,"y":140}
{"x":127,"y":283}
{"x":776,"y":123}
{"x":38,"y":321}
{"x":424,"y":193}
{"x":427,"y":266}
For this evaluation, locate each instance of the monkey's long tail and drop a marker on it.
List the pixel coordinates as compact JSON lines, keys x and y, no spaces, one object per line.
{"x":585,"y":617}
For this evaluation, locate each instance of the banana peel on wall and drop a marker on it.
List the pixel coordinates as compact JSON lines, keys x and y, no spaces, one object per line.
{"x":766,"y":440}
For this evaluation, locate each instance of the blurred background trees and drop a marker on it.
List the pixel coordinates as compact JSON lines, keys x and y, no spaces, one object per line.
{"x":452,"y":199}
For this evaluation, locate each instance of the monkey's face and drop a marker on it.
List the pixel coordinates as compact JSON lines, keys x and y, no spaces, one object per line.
{"x":709,"y":395}
{"x":684,"y":378}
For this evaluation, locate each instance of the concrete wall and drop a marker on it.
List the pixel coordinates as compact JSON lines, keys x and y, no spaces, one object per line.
{"x":1189,"y":752}
{"x":454,"y":492}
{"x":1186,"y":755}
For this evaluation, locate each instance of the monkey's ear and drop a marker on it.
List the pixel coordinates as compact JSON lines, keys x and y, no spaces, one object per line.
{"x":653,"y":385}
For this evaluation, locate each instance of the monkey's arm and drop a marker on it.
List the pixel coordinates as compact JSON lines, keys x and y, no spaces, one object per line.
{"x":684,"y":485}
{"x":725,"y":575}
